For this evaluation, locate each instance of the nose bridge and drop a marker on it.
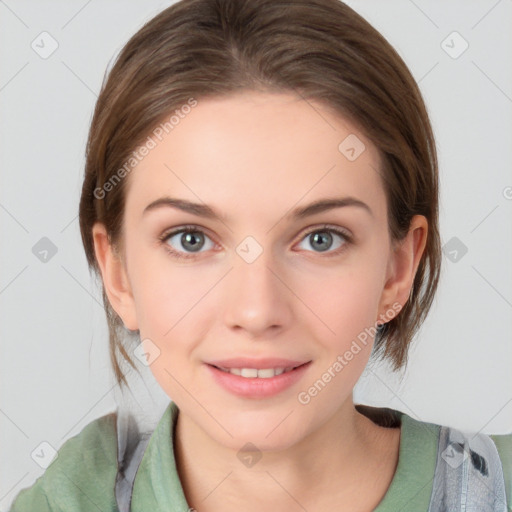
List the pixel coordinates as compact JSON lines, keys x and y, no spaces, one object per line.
{"x":256,"y":299}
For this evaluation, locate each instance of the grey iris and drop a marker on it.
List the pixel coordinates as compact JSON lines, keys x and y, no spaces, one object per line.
{"x":323,"y":238}
{"x":187,"y":240}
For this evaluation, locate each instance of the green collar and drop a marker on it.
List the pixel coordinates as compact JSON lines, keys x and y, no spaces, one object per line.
{"x":157,"y":486}
{"x":412,"y":483}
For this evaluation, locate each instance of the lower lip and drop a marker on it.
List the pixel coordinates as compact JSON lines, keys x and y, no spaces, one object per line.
{"x":254,"y":387}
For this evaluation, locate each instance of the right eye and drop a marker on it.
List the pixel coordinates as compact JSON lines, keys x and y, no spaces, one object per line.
{"x":179,"y":242}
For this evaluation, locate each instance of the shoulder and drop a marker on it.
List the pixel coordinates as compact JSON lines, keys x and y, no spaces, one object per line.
{"x":471,"y":469}
{"x":465,"y":468}
{"x":503,"y":444}
{"x":82,"y":475}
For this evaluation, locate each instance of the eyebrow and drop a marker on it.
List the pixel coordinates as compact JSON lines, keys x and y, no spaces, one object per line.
{"x":203,"y":210}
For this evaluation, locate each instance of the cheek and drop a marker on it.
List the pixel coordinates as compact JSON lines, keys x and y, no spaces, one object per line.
{"x":173,"y":309}
{"x":171,"y":300}
{"x":158,"y":288}
{"x":341,"y":302}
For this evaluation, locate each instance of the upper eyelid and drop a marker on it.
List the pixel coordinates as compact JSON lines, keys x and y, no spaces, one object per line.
{"x":327,"y":227}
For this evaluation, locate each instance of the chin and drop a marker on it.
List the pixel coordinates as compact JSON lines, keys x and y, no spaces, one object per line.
{"x":268,"y":431}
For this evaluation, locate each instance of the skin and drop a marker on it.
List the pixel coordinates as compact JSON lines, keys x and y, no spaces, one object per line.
{"x":253,"y":157}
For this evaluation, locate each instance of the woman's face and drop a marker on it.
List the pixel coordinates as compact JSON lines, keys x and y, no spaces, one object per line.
{"x":257,"y":280}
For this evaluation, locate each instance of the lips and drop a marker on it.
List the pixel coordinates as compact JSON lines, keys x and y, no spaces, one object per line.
{"x":252,"y":380}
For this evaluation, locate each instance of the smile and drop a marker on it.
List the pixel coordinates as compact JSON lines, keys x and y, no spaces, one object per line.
{"x":257,"y":383}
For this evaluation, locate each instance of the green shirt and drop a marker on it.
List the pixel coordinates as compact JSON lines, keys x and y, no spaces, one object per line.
{"x":82,"y":477}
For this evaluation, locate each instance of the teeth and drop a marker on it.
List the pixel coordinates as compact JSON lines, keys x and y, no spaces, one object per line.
{"x":250,"y":372}
{"x":264,"y":373}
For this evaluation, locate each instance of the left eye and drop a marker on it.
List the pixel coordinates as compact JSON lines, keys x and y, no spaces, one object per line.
{"x":322,"y":239}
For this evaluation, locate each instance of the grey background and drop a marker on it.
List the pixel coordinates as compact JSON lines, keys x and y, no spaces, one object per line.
{"x":54,"y":366}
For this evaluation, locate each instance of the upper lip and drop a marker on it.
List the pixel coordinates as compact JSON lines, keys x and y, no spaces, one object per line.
{"x":247,"y":362}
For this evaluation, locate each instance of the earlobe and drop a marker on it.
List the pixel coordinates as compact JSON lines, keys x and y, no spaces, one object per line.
{"x":115,"y":278}
{"x":404,"y":263}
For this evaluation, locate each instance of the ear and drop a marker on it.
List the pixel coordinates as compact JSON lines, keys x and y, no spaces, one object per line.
{"x":403,"y":265}
{"x":115,"y":277}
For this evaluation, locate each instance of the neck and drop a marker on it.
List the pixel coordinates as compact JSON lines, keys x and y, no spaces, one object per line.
{"x":324,"y":467}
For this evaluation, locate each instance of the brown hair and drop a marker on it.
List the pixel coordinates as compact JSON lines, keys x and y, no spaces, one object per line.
{"x":320,"y":49}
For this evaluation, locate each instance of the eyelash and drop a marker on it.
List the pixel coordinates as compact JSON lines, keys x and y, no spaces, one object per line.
{"x":196,"y":229}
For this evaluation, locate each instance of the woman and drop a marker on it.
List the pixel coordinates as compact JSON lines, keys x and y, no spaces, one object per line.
{"x":261,"y":202}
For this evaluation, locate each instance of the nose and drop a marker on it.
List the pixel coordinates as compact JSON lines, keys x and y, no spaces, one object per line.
{"x":257,"y":299}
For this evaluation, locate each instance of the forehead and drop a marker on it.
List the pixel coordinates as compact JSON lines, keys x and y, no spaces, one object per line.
{"x":257,"y":152}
